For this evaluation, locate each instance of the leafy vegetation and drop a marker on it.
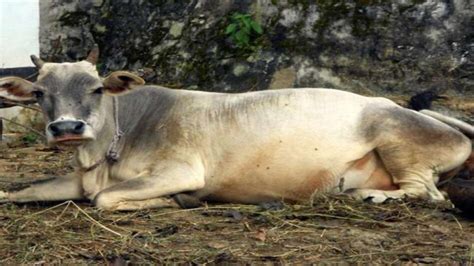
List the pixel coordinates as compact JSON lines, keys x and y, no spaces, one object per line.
{"x":243,"y":30}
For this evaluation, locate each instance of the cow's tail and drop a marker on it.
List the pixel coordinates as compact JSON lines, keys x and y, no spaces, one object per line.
{"x":461,"y":125}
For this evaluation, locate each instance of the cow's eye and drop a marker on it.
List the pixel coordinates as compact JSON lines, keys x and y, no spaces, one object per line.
{"x":99,"y":90}
{"x":38,"y":94}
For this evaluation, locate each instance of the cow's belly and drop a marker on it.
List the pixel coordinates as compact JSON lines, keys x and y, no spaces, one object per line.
{"x":294,"y":172}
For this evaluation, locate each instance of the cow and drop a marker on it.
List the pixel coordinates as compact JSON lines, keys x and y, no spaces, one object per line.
{"x":136,"y":146}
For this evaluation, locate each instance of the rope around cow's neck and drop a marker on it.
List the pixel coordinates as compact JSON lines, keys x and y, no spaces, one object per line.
{"x":112,"y":154}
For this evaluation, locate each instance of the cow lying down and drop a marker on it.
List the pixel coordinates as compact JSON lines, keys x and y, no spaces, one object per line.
{"x":138,"y":145}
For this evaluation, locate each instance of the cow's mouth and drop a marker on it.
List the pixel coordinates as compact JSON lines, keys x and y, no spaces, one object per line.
{"x":70,"y":140}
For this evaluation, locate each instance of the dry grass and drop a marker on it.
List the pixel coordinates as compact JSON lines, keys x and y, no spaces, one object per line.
{"x":332,"y":229}
{"x":335,"y":229}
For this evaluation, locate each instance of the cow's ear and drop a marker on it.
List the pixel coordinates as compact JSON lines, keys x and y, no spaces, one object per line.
{"x":17,"y":89}
{"x":121,"y":81}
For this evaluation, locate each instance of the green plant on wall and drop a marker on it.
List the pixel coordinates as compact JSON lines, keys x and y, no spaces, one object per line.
{"x":243,"y":30}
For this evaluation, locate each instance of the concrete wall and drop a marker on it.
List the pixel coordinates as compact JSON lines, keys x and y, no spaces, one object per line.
{"x":372,"y":47}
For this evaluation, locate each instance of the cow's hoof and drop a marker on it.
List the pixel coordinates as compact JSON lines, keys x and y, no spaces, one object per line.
{"x":186,"y":201}
{"x":377,"y":199}
{"x":375,"y":196}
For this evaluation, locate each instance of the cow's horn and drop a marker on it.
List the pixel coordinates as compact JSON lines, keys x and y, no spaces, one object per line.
{"x":37,"y":61}
{"x":93,"y":56}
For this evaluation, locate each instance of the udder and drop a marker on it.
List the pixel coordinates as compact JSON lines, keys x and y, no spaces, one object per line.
{"x":368,"y":172}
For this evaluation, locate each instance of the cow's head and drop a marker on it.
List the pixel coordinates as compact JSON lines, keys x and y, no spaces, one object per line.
{"x":71,"y":95}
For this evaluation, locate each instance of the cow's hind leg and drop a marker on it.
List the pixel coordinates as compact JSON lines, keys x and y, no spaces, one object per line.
{"x":414,"y":184}
{"x":414,"y":172}
{"x":414,"y":150}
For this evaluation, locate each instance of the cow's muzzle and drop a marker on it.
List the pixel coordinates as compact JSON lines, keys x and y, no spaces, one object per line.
{"x":67,"y":131}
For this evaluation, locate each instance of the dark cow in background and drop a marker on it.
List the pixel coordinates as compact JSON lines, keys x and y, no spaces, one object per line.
{"x":135,"y":150}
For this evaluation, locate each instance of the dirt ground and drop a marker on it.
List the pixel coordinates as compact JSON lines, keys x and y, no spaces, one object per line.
{"x":331,"y":229}
{"x":328,"y":230}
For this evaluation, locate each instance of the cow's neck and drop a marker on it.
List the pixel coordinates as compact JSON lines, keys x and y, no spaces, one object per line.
{"x":94,"y":153}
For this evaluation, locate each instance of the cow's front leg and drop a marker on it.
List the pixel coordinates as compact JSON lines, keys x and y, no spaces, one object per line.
{"x":54,"y":189}
{"x":149,"y":191}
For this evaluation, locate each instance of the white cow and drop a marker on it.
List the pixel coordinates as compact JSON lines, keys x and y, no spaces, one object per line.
{"x":135,"y":150}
